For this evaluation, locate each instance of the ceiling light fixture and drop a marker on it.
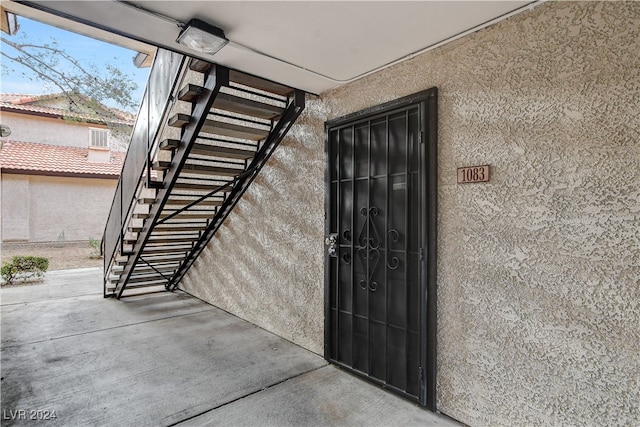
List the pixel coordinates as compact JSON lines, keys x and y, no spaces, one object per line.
{"x":202,"y":37}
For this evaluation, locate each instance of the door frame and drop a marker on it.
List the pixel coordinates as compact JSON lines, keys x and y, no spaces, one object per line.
{"x":428,"y":103}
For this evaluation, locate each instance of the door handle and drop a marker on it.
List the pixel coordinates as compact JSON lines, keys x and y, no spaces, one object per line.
{"x":331,"y":242}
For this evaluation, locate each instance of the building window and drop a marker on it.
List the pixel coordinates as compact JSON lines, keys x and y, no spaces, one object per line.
{"x":99,"y":138}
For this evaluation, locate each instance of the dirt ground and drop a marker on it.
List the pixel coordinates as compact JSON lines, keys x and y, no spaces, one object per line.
{"x":62,"y":256}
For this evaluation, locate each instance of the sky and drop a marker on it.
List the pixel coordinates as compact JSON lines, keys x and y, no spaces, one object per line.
{"x":82,"y":48}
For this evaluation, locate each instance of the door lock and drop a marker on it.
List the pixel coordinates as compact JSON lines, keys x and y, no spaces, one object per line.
{"x":331,"y":242}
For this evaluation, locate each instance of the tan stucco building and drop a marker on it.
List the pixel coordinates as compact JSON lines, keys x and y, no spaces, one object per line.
{"x":59,"y":170}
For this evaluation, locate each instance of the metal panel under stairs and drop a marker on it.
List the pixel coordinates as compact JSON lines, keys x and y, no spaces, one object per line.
{"x":205,"y":134}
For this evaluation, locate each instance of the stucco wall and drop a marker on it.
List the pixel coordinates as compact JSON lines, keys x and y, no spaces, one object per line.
{"x":15,"y":209}
{"x":49,"y":209}
{"x":538,"y":270}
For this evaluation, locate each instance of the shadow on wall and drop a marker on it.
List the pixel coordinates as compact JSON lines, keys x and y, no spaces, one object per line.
{"x":266,"y":262}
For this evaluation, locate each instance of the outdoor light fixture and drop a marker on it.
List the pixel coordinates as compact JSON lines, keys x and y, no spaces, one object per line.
{"x":203,"y":37}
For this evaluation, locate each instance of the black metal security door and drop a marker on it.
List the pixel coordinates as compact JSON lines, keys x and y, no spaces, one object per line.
{"x":378,"y":249}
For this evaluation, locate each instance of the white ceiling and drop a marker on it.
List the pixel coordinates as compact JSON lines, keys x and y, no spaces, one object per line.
{"x":318,"y":44}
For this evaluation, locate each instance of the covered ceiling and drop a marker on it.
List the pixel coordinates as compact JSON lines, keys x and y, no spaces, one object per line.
{"x":311,"y":45}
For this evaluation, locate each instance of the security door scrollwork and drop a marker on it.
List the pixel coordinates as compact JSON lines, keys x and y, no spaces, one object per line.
{"x":368,"y":248}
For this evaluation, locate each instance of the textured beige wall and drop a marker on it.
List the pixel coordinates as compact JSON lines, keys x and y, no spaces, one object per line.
{"x":15,"y":209}
{"x":57,"y":208}
{"x":539,"y":270}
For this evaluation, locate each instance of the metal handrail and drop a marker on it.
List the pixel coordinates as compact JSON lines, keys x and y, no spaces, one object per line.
{"x":163,"y":79}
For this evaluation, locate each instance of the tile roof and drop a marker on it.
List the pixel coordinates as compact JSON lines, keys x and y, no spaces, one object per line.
{"x":24,"y":102}
{"x":44,"y":159}
{"x":21,"y":98}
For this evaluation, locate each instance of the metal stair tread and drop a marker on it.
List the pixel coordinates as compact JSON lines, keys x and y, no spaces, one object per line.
{"x":179,"y":228}
{"x":156,"y":239}
{"x":162,"y":258}
{"x":197,"y":169}
{"x":246,"y":106}
{"x":184,"y":202}
{"x":233,"y":130}
{"x":179,"y":119}
{"x":245,"y":79}
{"x":154,"y":250}
{"x":259,"y":83}
{"x":217,"y":127}
{"x":233,"y":103}
{"x":147,"y":279}
{"x":151,"y":256}
{"x":165,"y":239}
{"x":144,"y":269}
{"x":167,"y":250}
{"x":218,"y":151}
{"x":196,"y":186}
{"x":199,"y":65}
{"x":146,"y":276}
{"x":189,"y":92}
{"x":186,"y":214}
{"x":169,"y":144}
{"x":161,"y":165}
{"x":171,"y":263}
{"x":210,"y":150}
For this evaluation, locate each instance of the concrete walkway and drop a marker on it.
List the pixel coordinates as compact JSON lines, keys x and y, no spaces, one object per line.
{"x":168,"y":359}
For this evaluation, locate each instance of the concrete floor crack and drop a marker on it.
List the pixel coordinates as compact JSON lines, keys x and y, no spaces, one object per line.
{"x":248,"y":395}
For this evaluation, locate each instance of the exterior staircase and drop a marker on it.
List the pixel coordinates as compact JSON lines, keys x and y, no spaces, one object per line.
{"x":202,"y":135}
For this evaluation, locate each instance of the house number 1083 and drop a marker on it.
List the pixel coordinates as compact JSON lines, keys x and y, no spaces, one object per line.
{"x":473,"y":174}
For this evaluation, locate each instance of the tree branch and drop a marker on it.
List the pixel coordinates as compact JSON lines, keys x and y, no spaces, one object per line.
{"x":43,"y":61}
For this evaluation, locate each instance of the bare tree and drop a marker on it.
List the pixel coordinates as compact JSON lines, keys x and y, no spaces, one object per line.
{"x":53,"y":67}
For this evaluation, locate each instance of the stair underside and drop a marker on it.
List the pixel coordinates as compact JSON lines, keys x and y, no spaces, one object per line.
{"x":194,"y":190}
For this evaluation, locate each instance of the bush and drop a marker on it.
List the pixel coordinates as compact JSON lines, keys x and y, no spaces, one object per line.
{"x":96,"y":245}
{"x":23,"y":268}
